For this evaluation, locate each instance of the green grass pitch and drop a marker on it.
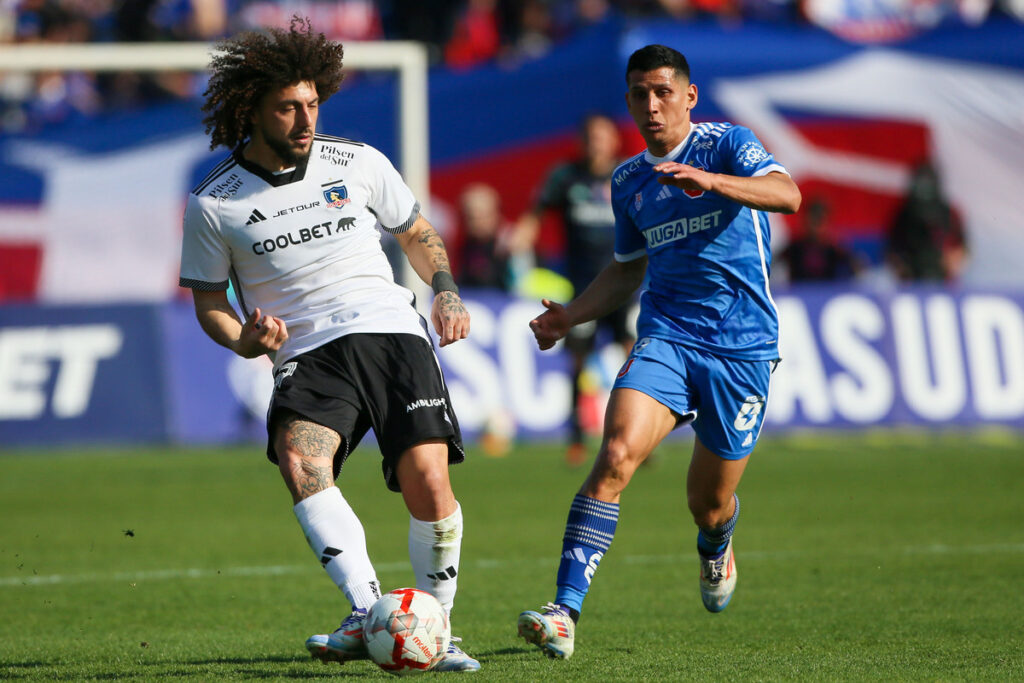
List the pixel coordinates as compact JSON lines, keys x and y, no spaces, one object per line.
{"x":870,"y":557}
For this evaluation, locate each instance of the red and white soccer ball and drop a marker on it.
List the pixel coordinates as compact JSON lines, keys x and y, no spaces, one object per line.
{"x":406,"y":631}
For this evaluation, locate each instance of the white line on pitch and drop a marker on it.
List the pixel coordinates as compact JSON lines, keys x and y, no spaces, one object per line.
{"x":483,"y":564}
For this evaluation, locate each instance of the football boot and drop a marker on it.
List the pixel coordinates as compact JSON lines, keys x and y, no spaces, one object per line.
{"x":343,"y":645}
{"x":551,"y":629}
{"x":455,"y":659}
{"x":717,"y":579}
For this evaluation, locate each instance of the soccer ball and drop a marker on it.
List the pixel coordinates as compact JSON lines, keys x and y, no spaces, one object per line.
{"x":406,"y":631}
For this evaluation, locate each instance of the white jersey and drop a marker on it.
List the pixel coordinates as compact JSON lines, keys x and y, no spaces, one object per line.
{"x":303,"y":245}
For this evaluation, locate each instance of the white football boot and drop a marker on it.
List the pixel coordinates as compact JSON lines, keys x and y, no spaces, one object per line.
{"x":343,"y":645}
{"x":551,"y":629}
{"x":717,"y":579}
{"x":455,"y":659}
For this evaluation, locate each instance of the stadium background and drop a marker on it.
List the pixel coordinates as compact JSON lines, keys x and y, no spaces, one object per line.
{"x":97,"y":343}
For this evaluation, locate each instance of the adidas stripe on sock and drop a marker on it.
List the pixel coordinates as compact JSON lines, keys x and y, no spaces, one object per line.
{"x":336,"y":536}
{"x":589,"y":530}
{"x":434,"y":550}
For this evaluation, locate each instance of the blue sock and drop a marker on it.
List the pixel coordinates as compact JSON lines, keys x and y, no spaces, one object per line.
{"x":711,"y":542}
{"x":588,"y":533}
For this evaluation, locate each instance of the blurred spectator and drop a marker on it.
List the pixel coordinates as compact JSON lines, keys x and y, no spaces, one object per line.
{"x":580,"y":191}
{"x":51,"y":96}
{"x":926,"y":240}
{"x":462,"y":33}
{"x":476,"y":38}
{"x":337,"y":19}
{"x":536,"y":29}
{"x":427,"y":22}
{"x":592,"y":11}
{"x":483,"y":255}
{"x":151,"y":20}
{"x":814,"y":256}
{"x":33,"y":99}
{"x":687,"y":9}
{"x":782,"y":11}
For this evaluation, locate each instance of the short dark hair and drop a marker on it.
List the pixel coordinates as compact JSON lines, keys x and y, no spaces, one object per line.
{"x":246,"y":67}
{"x":651,"y":57}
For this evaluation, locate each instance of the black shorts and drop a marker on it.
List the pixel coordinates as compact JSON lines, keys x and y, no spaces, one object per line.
{"x":581,"y":338}
{"x":390,"y":382}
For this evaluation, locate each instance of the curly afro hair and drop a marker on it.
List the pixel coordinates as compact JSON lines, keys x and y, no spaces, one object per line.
{"x":246,"y":67}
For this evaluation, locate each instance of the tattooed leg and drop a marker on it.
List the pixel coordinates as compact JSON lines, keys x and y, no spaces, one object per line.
{"x":305,"y":454}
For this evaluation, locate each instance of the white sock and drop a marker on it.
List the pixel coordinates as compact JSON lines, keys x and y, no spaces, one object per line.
{"x":434,"y":549}
{"x":338,"y":541}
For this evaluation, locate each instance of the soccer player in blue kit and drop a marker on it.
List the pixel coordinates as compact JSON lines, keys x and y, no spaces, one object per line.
{"x":689,"y":213}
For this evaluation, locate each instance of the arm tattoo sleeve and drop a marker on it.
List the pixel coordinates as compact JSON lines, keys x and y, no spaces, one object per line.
{"x":435,"y":247}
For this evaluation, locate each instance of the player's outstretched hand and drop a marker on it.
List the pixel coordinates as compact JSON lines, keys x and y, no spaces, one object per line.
{"x":684,"y":176}
{"x":551,"y":325}
{"x":450,"y":318}
{"x":261,"y":334}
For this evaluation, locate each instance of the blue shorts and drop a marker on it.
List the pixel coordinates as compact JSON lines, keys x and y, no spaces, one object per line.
{"x":724,"y":398}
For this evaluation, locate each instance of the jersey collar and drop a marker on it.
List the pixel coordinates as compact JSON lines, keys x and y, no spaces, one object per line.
{"x":652,"y":160}
{"x":273,"y":179}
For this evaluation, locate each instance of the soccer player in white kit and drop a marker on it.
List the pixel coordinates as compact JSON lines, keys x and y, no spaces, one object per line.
{"x":290,"y":219}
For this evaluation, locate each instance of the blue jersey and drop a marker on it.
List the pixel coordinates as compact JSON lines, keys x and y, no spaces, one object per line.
{"x":708,"y":256}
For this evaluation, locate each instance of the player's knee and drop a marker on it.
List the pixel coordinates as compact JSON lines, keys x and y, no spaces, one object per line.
{"x":616,"y":463}
{"x":434,"y":482}
{"x":304,"y":476}
{"x":423,"y":478}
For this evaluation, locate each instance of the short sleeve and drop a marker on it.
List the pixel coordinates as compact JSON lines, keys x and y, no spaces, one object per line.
{"x":391,"y":200}
{"x":205,"y":259}
{"x":744,"y":155}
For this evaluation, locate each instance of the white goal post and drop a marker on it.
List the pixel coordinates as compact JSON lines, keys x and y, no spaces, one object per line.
{"x":407,"y":58}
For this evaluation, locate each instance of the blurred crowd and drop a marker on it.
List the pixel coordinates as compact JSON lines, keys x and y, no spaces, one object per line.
{"x":924,"y":242}
{"x":462,"y":34}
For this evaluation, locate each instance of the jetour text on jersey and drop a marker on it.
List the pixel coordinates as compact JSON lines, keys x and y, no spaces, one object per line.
{"x":303,"y":235}
{"x":677,"y":230}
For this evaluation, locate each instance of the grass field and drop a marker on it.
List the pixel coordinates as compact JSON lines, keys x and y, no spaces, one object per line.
{"x":861,"y":557}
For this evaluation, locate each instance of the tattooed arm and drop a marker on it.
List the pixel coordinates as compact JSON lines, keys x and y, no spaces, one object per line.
{"x":426,"y":253}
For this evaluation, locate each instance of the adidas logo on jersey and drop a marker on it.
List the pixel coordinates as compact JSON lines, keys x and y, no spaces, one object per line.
{"x":255,"y":217}
{"x":665,"y":193}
